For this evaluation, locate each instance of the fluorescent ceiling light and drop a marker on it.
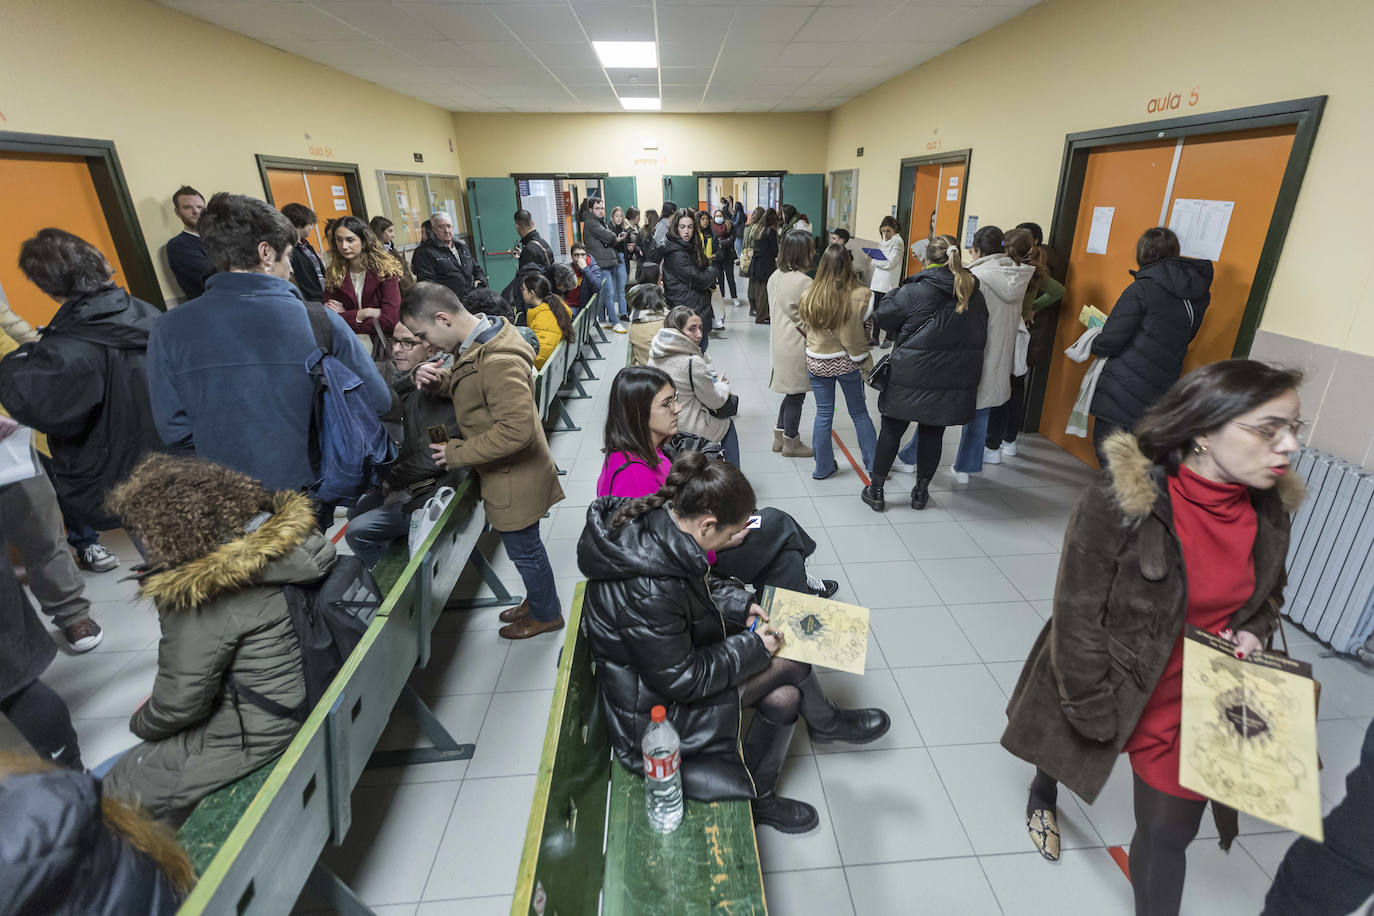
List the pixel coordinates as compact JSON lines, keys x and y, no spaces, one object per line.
{"x":639,"y":103}
{"x":626,"y":55}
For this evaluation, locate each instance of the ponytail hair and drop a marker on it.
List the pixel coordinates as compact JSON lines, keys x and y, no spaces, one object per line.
{"x":540,"y":287}
{"x":697,"y":485}
{"x":944,"y":249}
{"x":1020,"y":245}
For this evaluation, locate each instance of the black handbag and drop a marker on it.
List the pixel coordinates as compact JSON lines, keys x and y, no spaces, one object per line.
{"x":724,"y":411}
{"x":882,"y":370}
{"x":691,"y":442}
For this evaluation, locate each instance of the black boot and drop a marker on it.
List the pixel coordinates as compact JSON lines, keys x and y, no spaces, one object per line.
{"x":873,"y":496}
{"x":920,"y":494}
{"x":827,"y":722}
{"x":765,"y":749}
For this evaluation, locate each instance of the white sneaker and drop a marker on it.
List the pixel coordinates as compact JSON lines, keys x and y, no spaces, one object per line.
{"x":620,"y":328}
{"x":903,"y":467}
{"x":96,"y":558}
{"x":604,"y":324}
{"x":1009,"y":449}
{"x":718,"y":326}
{"x":961,"y":476}
{"x":992,"y":456}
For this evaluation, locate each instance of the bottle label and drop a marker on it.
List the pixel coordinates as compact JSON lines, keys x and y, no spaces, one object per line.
{"x":661,"y":767}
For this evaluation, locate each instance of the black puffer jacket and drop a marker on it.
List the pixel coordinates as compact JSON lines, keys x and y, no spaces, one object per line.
{"x":58,"y":856}
{"x":684,"y":281}
{"x":938,"y":358}
{"x":1147,"y":336}
{"x":658,"y":627}
{"x":599,"y":239}
{"x":765,"y":259}
{"x":85,"y":384}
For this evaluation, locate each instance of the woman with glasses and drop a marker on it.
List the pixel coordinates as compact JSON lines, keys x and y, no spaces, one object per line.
{"x":1189,"y":525}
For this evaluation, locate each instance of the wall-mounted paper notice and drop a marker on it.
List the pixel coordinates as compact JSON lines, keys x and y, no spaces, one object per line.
{"x":954,"y":181}
{"x":952,"y":194}
{"x":1101,"y":229}
{"x":1201,"y":226}
{"x":338,"y":190}
{"x":970,"y":228}
{"x":340,"y":204}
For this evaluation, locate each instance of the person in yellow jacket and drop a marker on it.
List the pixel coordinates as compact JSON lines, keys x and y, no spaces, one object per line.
{"x":547,"y":315}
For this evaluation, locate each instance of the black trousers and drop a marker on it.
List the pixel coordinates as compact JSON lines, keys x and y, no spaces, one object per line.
{"x":1004,"y":421}
{"x":726,"y":272}
{"x":929,"y":440}
{"x":773,"y":554}
{"x":39,"y":714}
{"x":789,"y":414}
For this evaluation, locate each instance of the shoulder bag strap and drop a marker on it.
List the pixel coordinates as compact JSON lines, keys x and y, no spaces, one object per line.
{"x":320,"y":327}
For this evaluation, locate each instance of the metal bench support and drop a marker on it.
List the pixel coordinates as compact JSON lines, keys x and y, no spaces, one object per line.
{"x":443,"y":746}
{"x":565,"y":420}
{"x":331,"y":890}
{"x":500,"y":596}
{"x":573,"y":384}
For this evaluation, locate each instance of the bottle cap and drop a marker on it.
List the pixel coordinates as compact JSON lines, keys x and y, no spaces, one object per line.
{"x":658,"y":714}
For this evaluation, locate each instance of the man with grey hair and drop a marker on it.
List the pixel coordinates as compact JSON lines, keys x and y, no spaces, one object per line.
{"x":444,"y":259}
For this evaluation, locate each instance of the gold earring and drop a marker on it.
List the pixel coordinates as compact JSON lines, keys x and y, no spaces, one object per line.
{"x":1199,"y":449}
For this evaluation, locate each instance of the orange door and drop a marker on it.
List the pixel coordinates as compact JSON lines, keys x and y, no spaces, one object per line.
{"x":40,"y":191}
{"x":951,"y":192}
{"x":1245,"y":167}
{"x":924,"y":205}
{"x":316,"y":190}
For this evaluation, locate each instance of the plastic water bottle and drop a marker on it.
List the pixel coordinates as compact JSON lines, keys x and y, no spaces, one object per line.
{"x":662,"y":781}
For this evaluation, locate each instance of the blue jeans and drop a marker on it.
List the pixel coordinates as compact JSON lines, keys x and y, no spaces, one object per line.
{"x":730,"y":442}
{"x":527,"y":552}
{"x":618,"y":278}
{"x":972,"y":441}
{"x":373,"y":525}
{"x":605,"y":299}
{"x":852,"y":384}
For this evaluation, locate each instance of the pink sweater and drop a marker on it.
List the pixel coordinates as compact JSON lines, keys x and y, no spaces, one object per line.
{"x":632,"y":477}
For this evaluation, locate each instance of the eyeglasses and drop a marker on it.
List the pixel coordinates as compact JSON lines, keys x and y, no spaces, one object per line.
{"x":406,"y":344}
{"x":1273,"y":432}
{"x":668,"y":401}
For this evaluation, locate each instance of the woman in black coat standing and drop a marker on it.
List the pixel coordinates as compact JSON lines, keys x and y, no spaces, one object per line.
{"x":666,"y":632}
{"x":765,"y":261}
{"x":688,"y":277}
{"x":940,"y":322}
{"x":1148,"y":332}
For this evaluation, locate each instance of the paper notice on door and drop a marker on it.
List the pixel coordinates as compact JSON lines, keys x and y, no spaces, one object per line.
{"x":338,"y":190}
{"x":1101,"y":229}
{"x":1201,"y":226}
{"x":340,"y":204}
{"x":952,"y":194}
{"x":954,"y":181}
{"x":18,"y":461}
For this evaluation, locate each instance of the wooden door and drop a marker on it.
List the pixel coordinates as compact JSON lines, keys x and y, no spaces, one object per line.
{"x":1242,"y":166}
{"x":41,"y":191}
{"x":949,"y":200}
{"x":322,"y":192}
{"x":924,"y":207}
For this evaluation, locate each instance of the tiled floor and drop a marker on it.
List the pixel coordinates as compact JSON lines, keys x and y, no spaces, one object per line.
{"x":928,"y":819}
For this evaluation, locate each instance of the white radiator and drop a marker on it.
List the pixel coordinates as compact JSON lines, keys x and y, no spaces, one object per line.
{"x":1330,"y":590}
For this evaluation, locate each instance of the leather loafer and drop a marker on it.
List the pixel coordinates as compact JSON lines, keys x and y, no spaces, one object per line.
{"x":524,"y":629}
{"x":519,"y":612}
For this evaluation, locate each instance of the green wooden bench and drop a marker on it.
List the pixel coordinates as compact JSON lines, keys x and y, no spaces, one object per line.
{"x":256,"y":843}
{"x":589,"y":839}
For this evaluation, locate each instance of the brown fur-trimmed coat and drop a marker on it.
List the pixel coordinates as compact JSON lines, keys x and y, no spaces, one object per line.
{"x":222,"y":613}
{"x":1119,"y":607}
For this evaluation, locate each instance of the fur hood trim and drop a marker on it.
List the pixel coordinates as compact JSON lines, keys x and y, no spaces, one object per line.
{"x":1133,"y":483}
{"x":233,"y":565}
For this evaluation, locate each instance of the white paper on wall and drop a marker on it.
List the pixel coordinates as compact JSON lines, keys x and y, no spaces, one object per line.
{"x":1201,"y":226}
{"x":1101,"y":230}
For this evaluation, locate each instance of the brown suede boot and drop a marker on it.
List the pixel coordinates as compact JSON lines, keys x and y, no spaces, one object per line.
{"x":793,"y":447}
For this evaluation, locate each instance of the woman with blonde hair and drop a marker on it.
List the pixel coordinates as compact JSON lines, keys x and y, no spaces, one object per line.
{"x":940,"y":324}
{"x":363,"y":282}
{"x":833,"y":310}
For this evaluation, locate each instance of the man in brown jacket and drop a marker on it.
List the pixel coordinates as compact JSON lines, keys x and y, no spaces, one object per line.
{"x":492,"y":388}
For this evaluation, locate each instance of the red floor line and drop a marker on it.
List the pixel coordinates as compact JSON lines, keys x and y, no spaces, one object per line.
{"x":857,"y":467}
{"x":339,"y":534}
{"x":1123,"y":860}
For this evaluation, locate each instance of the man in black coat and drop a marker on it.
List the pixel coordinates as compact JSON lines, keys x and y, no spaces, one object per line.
{"x":535,"y":257}
{"x":185,"y":255}
{"x":444,"y":259}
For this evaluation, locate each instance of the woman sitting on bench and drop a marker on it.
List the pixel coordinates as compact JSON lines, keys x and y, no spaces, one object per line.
{"x":665,"y":631}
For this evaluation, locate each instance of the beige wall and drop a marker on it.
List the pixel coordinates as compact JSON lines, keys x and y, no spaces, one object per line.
{"x":493,"y":145}
{"x":1073,"y":65}
{"x":185,"y":101}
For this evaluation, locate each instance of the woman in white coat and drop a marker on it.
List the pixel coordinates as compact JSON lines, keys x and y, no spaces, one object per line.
{"x":789,"y":377}
{"x":887,"y":274}
{"x":1003,"y":283}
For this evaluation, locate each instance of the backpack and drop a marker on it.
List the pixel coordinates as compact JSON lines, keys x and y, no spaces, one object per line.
{"x":349,"y":447}
{"x":329,"y":617}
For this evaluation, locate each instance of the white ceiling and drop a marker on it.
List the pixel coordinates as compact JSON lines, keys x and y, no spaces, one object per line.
{"x":714,"y":56}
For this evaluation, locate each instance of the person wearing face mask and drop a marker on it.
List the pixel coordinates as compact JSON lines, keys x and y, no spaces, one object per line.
{"x":1188,"y":524}
{"x":664,"y":631}
{"x":724,"y":232}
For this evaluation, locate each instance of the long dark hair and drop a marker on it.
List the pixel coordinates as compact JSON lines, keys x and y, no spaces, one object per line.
{"x":796,"y":251}
{"x":542,"y":289}
{"x":1204,"y":400}
{"x":627,"y":422}
{"x":694,"y":243}
{"x":696,"y":486}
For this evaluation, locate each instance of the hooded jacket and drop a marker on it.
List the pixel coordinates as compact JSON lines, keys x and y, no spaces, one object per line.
{"x":685,"y":282}
{"x":58,"y":856}
{"x":664,"y":632}
{"x":1003,"y":283}
{"x":1147,"y":336}
{"x":221,"y":614}
{"x":938,"y":356}
{"x":1119,"y":606}
{"x":492,"y":389}
{"x":85,"y":384}
{"x":699,"y":387}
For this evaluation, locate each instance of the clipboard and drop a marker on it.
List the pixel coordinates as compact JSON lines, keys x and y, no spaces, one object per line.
{"x":875,"y":254}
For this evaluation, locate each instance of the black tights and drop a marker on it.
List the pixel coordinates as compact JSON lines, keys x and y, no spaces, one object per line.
{"x":789,"y":414}
{"x":929,"y":441}
{"x":42,"y":718}
{"x":725,"y":274}
{"x":774,"y":691}
{"x":1164,"y":826}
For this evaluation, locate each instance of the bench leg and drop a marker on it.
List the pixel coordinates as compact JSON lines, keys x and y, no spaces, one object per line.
{"x":565,"y":420}
{"x":581,"y":361}
{"x":444,"y":747}
{"x":501,"y":597}
{"x":596,"y":351}
{"x":600,"y":333}
{"x":331,"y":889}
{"x":574,"y":385}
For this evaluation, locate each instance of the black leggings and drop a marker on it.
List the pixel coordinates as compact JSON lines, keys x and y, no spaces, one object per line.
{"x":789,"y":414}
{"x":929,"y":441}
{"x":1004,"y":421}
{"x":725,"y":271}
{"x":42,"y":718}
{"x":774,"y":691}
{"x":1164,"y":826}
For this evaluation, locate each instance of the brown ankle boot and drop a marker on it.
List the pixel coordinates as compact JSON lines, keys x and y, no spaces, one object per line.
{"x":777,"y":439}
{"x":793,"y":447}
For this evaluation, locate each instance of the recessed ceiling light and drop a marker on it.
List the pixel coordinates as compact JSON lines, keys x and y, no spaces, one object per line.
{"x":639,"y":103}
{"x":626,"y":55}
